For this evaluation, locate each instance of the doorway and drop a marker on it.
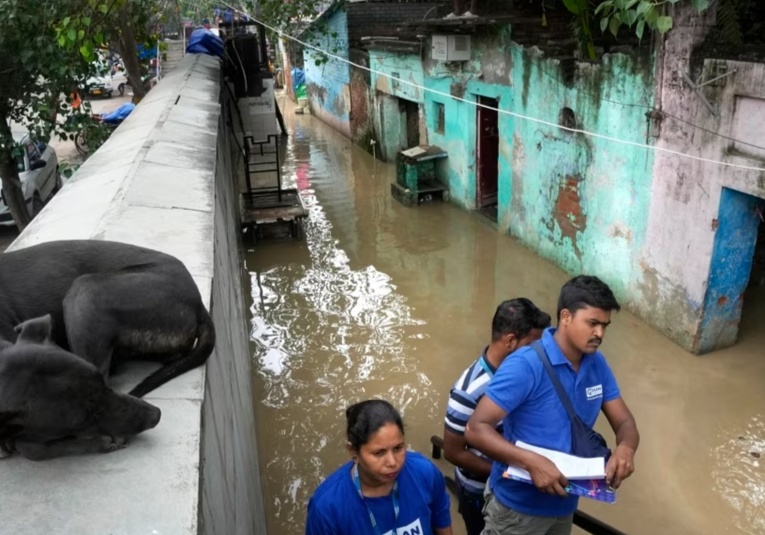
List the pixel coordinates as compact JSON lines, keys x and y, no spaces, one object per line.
{"x":487,"y":156}
{"x":750,"y":332}
{"x":737,"y":270}
{"x":410,"y":123}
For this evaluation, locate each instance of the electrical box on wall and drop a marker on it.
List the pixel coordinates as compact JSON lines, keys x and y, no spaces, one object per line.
{"x":450,"y":47}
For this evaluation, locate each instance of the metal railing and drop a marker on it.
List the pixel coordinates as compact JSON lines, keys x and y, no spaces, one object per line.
{"x":582,"y":520}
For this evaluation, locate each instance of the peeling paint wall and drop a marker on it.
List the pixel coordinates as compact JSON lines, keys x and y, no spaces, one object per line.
{"x":686,"y":202}
{"x":362,"y":126}
{"x":394,"y":77}
{"x":557,"y":191}
{"x":287,"y":70}
{"x":328,"y":83}
{"x":579,"y":200}
{"x":645,"y":221}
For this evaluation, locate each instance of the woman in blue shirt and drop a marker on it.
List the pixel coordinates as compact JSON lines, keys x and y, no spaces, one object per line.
{"x":385,"y":489}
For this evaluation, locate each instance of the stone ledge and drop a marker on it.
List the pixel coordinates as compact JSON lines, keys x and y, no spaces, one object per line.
{"x":150,"y":184}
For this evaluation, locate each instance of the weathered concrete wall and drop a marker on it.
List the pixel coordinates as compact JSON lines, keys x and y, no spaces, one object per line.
{"x":163,"y":180}
{"x":390,"y":123}
{"x":287,"y":69}
{"x":578,"y":201}
{"x":328,"y":83}
{"x":176,"y":49}
{"x":597,"y":206}
{"x":232,"y":501}
{"x":678,"y":282}
{"x":362,"y":125}
{"x":657,"y":227}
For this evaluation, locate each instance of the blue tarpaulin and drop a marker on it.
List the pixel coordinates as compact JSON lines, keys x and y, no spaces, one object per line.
{"x":118,"y":115}
{"x":145,"y":53}
{"x":203,"y":41}
{"x":298,"y":78}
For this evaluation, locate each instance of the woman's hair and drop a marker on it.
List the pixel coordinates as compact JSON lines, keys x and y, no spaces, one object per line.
{"x":367,"y":417}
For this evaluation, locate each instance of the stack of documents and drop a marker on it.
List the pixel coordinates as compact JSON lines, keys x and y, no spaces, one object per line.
{"x":587,"y":476}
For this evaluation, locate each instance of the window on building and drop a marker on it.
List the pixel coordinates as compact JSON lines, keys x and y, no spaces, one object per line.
{"x":440,"y":114}
{"x":394,"y":78}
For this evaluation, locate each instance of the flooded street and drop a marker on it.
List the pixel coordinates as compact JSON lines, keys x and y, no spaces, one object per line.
{"x":383,"y":300}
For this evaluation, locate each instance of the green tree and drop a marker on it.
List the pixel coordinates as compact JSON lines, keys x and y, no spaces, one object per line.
{"x":197,"y":10}
{"x":125,"y":23}
{"x":47,"y":50}
{"x":35,"y":71}
{"x":640,"y":14}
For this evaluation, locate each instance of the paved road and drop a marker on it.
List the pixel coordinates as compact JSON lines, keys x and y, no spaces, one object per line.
{"x":66,"y":152}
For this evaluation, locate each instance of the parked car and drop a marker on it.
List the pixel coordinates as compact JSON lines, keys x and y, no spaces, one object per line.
{"x":106,"y":85}
{"x":120,"y":81}
{"x":39,"y":173}
{"x":100,"y":86}
{"x":111,"y":78}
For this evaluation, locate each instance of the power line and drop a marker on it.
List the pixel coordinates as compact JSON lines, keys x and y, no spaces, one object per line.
{"x":507,"y":112}
{"x":644,"y":106}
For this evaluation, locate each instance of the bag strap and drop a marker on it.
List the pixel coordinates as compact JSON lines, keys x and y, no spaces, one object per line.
{"x":542,"y":354}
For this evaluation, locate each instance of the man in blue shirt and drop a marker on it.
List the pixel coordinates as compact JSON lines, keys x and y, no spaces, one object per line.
{"x":516,"y":323}
{"x":522,"y":396}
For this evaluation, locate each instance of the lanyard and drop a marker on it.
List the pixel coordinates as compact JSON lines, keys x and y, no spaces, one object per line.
{"x":357,"y":482}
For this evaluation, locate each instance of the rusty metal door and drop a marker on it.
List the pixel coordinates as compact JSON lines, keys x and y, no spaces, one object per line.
{"x":487,"y":152}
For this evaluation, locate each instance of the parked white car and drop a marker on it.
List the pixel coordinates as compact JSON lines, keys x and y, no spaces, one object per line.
{"x":112,"y":78}
{"x":38,"y":170}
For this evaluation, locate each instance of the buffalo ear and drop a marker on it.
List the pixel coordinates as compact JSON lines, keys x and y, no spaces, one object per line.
{"x":35,"y":331}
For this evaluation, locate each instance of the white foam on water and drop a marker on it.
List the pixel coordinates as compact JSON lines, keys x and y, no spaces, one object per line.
{"x":739,"y":475}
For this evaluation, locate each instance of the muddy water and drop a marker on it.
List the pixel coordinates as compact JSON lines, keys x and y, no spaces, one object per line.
{"x":381,"y":300}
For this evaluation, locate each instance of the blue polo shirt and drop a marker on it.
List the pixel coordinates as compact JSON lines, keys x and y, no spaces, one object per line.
{"x":535,"y":415}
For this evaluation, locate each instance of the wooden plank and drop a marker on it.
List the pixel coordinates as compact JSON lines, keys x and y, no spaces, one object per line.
{"x":281,"y":213}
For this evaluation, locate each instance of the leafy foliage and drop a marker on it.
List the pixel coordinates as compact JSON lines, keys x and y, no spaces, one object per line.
{"x":640,"y":14}
{"x":729,"y":17}
{"x":36,"y":74}
{"x":47,"y":49}
{"x":637,"y":15}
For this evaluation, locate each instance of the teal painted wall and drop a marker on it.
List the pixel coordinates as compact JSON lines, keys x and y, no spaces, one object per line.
{"x":328,"y":83}
{"x":406,"y":67}
{"x":389,"y":124}
{"x":579,"y":201}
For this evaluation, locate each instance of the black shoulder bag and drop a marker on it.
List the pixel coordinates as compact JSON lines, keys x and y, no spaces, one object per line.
{"x":585,"y":441}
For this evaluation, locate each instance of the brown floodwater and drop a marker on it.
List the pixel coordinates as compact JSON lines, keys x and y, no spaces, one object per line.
{"x":383,"y":300}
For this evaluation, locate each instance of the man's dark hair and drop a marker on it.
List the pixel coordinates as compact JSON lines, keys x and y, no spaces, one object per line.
{"x":586,"y":290}
{"x":517,"y":316}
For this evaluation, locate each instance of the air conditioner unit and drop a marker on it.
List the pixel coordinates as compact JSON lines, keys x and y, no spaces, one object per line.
{"x":450,"y":47}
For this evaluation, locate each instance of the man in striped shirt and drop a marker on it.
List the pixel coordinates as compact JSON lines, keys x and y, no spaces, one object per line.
{"x":516,"y":323}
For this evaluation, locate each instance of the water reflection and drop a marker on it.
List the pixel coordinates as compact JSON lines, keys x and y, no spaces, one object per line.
{"x":326,"y":334}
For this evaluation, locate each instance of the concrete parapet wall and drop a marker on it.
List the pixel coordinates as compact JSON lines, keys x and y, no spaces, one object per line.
{"x":163,"y":180}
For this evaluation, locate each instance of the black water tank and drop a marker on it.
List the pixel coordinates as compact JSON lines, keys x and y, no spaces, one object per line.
{"x":244,"y":65}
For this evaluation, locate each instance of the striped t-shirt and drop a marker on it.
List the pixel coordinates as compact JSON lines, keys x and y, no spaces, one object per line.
{"x":463,"y":399}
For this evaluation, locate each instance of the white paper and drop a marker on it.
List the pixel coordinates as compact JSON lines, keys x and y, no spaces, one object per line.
{"x":570,"y":466}
{"x":413,"y":152}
